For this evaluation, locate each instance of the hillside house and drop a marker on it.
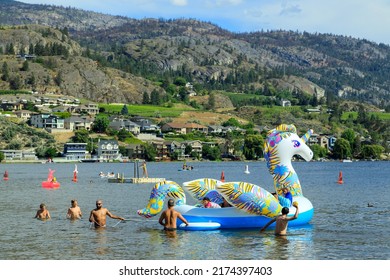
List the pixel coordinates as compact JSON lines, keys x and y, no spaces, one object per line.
{"x":47,"y":121}
{"x":108,"y":150}
{"x":75,"y":151}
{"x":120,"y":123}
{"x":74,"y":123}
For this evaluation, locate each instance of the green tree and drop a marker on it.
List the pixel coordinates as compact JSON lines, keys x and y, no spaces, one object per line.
{"x":318,"y":151}
{"x":101,"y":124}
{"x":123,"y":134}
{"x":15,"y":82}
{"x":253,"y":147}
{"x":180,"y":81}
{"x":349,"y":135}
{"x":5,"y":72}
{"x":145,"y":98}
{"x":155,"y":97}
{"x":150,"y":152}
{"x":2,"y":157}
{"x":25,"y":66}
{"x":211,"y":102}
{"x":372,"y":151}
{"x":211,"y":153}
{"x":124,"y":110}
{"x":50,"y":152}
{"x":341,"y":149}
{"x":81,"y":136}
{"x":232,"y":122}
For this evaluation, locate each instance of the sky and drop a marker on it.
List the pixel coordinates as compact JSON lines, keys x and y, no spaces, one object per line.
{"x":361,"y":19}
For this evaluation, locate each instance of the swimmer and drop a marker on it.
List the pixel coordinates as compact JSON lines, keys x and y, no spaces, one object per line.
{"x":99,"y":214}
{"x":168,"y":218}
{"x":74,"y":212}
{"x":42,"y":213}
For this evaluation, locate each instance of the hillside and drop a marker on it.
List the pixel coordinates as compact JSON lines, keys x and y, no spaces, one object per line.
{"x":323,"y":65}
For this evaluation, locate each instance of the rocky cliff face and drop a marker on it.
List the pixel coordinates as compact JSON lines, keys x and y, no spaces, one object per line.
{"x":310,"y":63}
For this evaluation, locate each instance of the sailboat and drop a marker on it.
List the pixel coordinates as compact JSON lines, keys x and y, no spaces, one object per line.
{"x":340,"y":180}
{"x":246,"y":169}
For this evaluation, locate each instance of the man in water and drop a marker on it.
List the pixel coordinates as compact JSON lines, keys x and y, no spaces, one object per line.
{"x":99,"y":214}
{"x":42,"y":213}
{"x":169,"y":217}
{"x":282,"y":221}
{"x":74,"y":212}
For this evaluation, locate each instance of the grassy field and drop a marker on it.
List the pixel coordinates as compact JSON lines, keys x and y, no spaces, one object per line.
{"x":148,"y":110}
{"x":381,"y":116}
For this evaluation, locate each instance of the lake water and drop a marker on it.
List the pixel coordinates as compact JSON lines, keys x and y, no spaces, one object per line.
{"x":343,"y":227}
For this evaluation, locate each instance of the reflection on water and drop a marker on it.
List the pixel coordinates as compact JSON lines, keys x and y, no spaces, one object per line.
{"x":343,"y":226}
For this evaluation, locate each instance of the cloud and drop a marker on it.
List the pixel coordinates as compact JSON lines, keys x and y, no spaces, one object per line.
{"x":179,"y":2}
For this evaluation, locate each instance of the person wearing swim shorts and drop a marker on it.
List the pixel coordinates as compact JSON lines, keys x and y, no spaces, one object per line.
{"x":168,"y":218}
{"x":99,"y":214}
{"x":282,"y":221}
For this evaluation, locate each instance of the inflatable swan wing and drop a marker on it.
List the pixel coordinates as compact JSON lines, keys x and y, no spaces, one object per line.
{"x":157,"y":197}
{"x":250,"y":198}
{"x":204,"y":187}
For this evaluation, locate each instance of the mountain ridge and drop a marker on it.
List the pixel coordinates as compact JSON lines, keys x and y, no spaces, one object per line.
{"x":204,"y":53}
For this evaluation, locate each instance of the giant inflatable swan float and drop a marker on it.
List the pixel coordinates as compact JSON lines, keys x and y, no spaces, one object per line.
{"x":253,"y":206}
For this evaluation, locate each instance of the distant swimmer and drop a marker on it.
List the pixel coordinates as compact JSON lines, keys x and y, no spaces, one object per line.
{"x":74,"y":212}
{"x":42,"y":213}
{"x":99,"y":214}
{"x":168,"y":218}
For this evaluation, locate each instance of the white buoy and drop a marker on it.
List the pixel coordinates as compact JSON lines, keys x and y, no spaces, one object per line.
{"x":246,"y":169}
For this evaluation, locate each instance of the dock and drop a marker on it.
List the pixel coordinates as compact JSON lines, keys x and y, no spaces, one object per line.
{"x":135,"y":180}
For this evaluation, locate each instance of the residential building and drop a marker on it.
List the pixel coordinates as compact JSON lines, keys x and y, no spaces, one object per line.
{"x":181,"y":128}
{"x":25,"y":115}
{"x":19,"y":155}
{"x":47,"y":121}
{"x":108,"y":150}
{"x":120,"y":123}
{"x":76,"y":123}
{"x":90,"y":108}
{"x":75,"y":151}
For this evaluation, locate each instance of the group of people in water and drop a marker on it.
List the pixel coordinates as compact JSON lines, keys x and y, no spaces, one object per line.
{"x":168,"y":218}
{"x":97,"y":216}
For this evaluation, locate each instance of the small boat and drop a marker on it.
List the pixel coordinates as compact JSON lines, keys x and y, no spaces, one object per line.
{"x":246,"y":169}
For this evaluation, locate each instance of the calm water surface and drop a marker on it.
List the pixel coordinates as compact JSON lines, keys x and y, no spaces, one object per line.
{"x":343,"y":227}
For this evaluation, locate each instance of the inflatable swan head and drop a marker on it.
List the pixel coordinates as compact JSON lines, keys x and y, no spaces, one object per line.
{"x":281,"y":144}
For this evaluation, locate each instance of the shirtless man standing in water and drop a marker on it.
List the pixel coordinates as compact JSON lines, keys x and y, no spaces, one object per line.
{"x":282,"y":221}
{"x":169,"y":217}
{"x":99,"y":214}
{"x":74,"y":212}
{"x":42,"y":213}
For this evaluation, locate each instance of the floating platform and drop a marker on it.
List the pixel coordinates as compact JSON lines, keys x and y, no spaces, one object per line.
{"x":135,"y":180}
